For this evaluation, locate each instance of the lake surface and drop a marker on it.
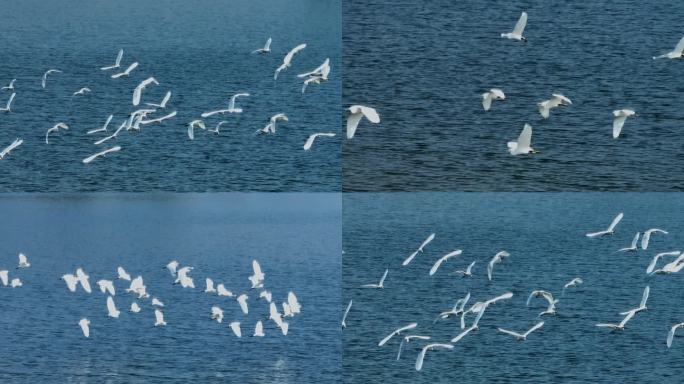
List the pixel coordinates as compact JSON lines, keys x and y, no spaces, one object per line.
{"x":545,"y":235}
{"x":295,"y":237}
{"x":200,"y":51}
{"x":424,"y":65}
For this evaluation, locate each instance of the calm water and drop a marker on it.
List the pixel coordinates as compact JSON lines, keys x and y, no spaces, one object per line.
{"x":296,"y":238}
{"x":424,"y":65}
{"x":545,"y":235}
{"x":198,"y":50}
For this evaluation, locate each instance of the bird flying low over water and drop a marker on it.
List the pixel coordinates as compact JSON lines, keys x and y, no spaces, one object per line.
{"x":611,"y":227}
{"x":117,"y":63}
{"x":287,"y":61}
{"x":633,"y":247}
{"x":419,"y":250}
{"x":619,"y":117}
{"x":265,"y":49}
{"x":379,"y":285}
{"x":396,"y":332}
{"x":556,"y":100}
{"x":8,"y":106}
{"x":646,"y":238}
{"x":17,"y":142}
{"x":317,"y":75}
{"x":270,"y":128}
{"x":523,"y":144}
{"x":444,"y":258}
{"x":356,"y":112}
{"x":102,"y":153}
{"x":309,"y":142}
{"x":127,"y":72}
{"x":522,"y":336}
{"x":518,"y":30}
{"x":55,"y":128}
{"x":674,"y":54}
{"x":45,"y":75}
{"x":137,"y":93}
{"x":429,"y":347}
{"x":491,"y":95}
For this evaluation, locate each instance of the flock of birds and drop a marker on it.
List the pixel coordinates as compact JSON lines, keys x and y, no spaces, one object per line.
{"x":465,"y":307}
{"x":156,"y":113}
{"x":523,"y":144}
{"x":143,"y":300}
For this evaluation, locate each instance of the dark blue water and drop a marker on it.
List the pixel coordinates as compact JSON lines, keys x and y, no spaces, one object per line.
{"x":295,"y":237}
{"x":200,"y":51}
{"x":424,"y":65}
{"x":545,"y":235}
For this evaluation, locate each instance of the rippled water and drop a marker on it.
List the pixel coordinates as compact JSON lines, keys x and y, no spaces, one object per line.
{"x":198,"y":50}
{"x":424,"y":65}
{"x":545,"y":235}
{"x":296,"y":238}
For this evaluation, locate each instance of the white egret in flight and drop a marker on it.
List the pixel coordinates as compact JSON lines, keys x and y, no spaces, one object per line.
{"x":468,"y":272}
{"x":55,"y":128}
{"x":518,"y":30}
{"x":271,"y":126}
{"x":310,"y":140}
{"x":633,"y":247}
{"x":235,"y":326}
{"x":159,"y":318}
{"x":82,"y":92}
{"x":137,"y":92}
{"x":619,"y":117}
{"x":257,"y":278}
{"x":123,"y":275}
{"x":651,"y":266}
{"x":420,"y":249}
{"x":165,"y":100}
{"x":17,"y":142}
{"x":647,"y":236}
{"x":611,"y":227}
{"x":555,"y":101}
{"x":8,"y":106}
{"x":85,"y":326}
{"x":217,"y":314}
{"x":407,"y":339}
{"x":548,"y":296}
{"x":522,"y":336}
{"x":265,"y":49}
{"x":23,"y":261}
{"x":523,"y":145}
{"x":620,"y":326}
{"x":10,"y":87}
{"x":429,"y":347}
{"x":379,"y":285}
{"x":671,"y":334}
{"x":45,"y":75}
{"x":444,"y":258}
{"x":117,"y":63}
{"x":396,"y":332}
{"x":191,"y":128}
{"x":103,"y":128}
{"x":674,"y":54}
{"x":346,"y":312}
{"x":135,"y":308}
{"x":356,"y":112}
{"x":495,"y":260}
{"x":572,"y":283}
{"x":107,"y":286}
{"x":90,"y":158}
{"x":222,"y":291}
{"x":242,"y":300}
{"x":287,"y":61}
{"x":258,"y":329}
{"x":16,"y":282}
{"x":111,"y":308}
{"x":127,"y":72}
{"x":491,"y":95}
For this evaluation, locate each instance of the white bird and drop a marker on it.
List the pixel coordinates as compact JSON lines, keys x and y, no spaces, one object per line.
{"x":356,"y":112}
{"x":266,"y":295}
{"x":444,"y":258}
{"x":651,"y":266}
{"x":16,"y":282}
{"x":138,"y":287}
{"x":235,"y":326}
{"x":407,"y":339}
{"x":107,"y":286}
{"x":137,"y":92}
{"x":555,"y":101}
{"x":479,"y":309}
{"x":572,"y":283}
{"x":83,"y":279}
{"x":292,"y":301}
{"x":165,"y":100}
{"x":317,"y":75}
{"x":489,"y":96}
{"x":117,"y":63}
{"x":611,"y":227}
{"x":172,"y":266}
{"x":265,"y":49}
{"x":183,"y":279}
{"x":159,"y":119}
{"x":548,"y":296}
{"x":157,"y":302}
{"x":242,"y":300}
{"x":257,"y":279}
{"x":633,"y":247}
{"x":135,"y":308}
{"x":621,"y":325}
{"x":495,"y":260}
{"x":429,"y":347}
{"x":217,"y":314}
{"x":672,"y":267}
{"x":271,"y":126}
{"x":277,"y":318}
{"x":90,"y":158}
{"x":159,"y":318}
{"x":127,"y":72}
{"x":518,"y":30}
{"x":103,"y":128}
{"x":218,"y":126}
{"x":379,"y":285}
{"x":210,"y":286}
{"x":10,"y":87}
{"x":123,"y":275}
{"x":23,"y":261}
{"x":8,"y":106}
{"x":85,"y":326}
{"x":68,"y":278}
{"x":17,"y":142}
{"x":287,"y":312}
{"x":287,"y":61}
{"x":111,"y":308}
{"x":45,"y":75}
{"x":671,"y":334}
{"x":4,"y":278}
{"x":647,"y":236}
{"x":310,"y":140}
{"x":468,"y":272}
{"x":642,"y":304}
{"x":619,"y":117}
{"x":457,"y":309}
{"x":523,"y":145}
{"x":420,"y":249}
{"x":113,"y":135}
{"x":191,"y":128}
{"x":231,"y":103}
{"x":82,"y":92}
{"x":259,"y":329}
{"x":346,"y":312}
{"x":396,"y":332}
{"x":55,"y":128}
{"x":674,"y":54}
{"x":222,"y":291}
{"x":522,"y":336}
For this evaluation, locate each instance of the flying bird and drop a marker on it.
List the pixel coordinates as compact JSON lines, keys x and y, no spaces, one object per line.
{"x":257,"y":278}
{"x":45,"y":75}
{"x":674,"y":54}
{"x":620,"y":326}
{"x":82,"y":92}
{"x":671,"y":334}
{"x":117,"y":63}
{"x":287,"y":61}
{"x":495,"y":260}
{"x":379,"y":285}
{"x":23,"y":261}
{"x":444,"y":258}
{"x":111,"y":308}
{"x":8,"y":106}
{"x":633,"y":247}
{"x":646,"y":238}
{"x":356,"y":112}
{"x":17,"y":142}
{"x":159,"y":318}
{"x":651,"y":266}
{"x":123,"y":275}
{"x":191,"y":128}
{"x":619,"y":117}
{"x":85,"y":326}
{"x":429,"y":347}
{"x":548,"y":296}
{"x":9,"y":87}
{"x":419,"y":250}
{"x":522,"y":336}
{"x":556,"y":100}
{"x":258,"y":329}
{"x":242,"y":300}
{"x":127,"y":72}
{"x":265,"y":49}
{"x":137,"y":92}
{"x":55,"y":128}
{"x":523,"y":145}
{"x":518,"y":30}
{"x":572,"y":283}
{"x":396,"y":332}
{"x":271,"y":126}
{"x":468,"y":272}
{"x":107,"y":286}
{"x":310,"y":140}
{"x":102,"y":153}
{"x":165,"y":100}
{"x":235,"y":326}
{"x":407,"y":339}
{"x":103,"y":128}
{"x":346,"y":312}
{"x":611,"y":228}
{"x":491,"y":95}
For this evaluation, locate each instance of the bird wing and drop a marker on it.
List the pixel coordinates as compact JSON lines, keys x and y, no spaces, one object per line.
{"x":534,"y":328}
{"x":111,"y":308}
{"x":615,"y":222}
{"x":618,"y":122}
{"x":352,"y":123}
{"x":384,"y":276}
{"x":137,"y":93}
{"x":439,"y":262}
{"x":22,"y":258}
{"x":372,"y":115}
{"x":680,"y":46}
{"x":544,"y":109}
{"x":470,"y":270}
{"x":293,"y":52}
{"x":525,"y":138}
{"x":644,"y":296}
{"x":256,"y":268}
{"x":670,"y":335}
{"x":490,"y":267}
{"x":512,"y":333}
{"x":486,"y":101}
{"x":118,"y":57}
{"x":309,"y":141}
{"x":520,"y":25}
{"x":268,"y":44}
{"x":645,"y":240}
{"x":635,"y":240}
{"x":421,"y":357}
{"x":386,"y":339}
{"x":159,"y":316}
{"x":409,"y":259}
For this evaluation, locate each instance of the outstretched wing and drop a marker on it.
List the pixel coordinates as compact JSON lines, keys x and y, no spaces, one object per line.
{"x":520,"y":25}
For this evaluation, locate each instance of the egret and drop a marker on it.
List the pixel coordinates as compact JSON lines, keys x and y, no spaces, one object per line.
{"x":611,"y":227}
{"x":265,"y":49}
{"x":420,"y":249}
{"x":555,"y":101}
{"x":8,"y":106}
{"x":127,"y":72}
{"x":242,"y":300}
{"x":106,"y":286}
{"x":23,"y":261}
{"x":647,"y":236}
{"x":346,"y":312}
{"x":356,"y":112}
{"x":55,"y":128}
{"x":235,"y":326}
{"x":257,"y":279}
{"x":518,"y":30}
{"x":523,"y":145}
{"x":159,"y":318}
{"x":117,"y":63}
{"x":163,"y":102}
{"x":674,"y":54}
{"x":444,"y":258}
{"x":633,"y":247}
{"x":90,"y":158}
{"x":396,"y":332}
{"x":572,"y":283}
{"x":137,"y":92}
{"x":85,"y":326}
{"x":468,"y":272}
{"x":491,"y":95}
{"x":522,"y":336}
{"x":429,"y":347}
{"x":45,"y":75}
{"x":379,"y":285}
{"x":17,"y":142}
{"x":259,"y":329}
{"x":287,"y":61}
{"x":671,"y":334}
{"x":111,"y":308}
{"x":619,"y":117}
{"x":495,"y":260}
{"x":309,"y":142}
